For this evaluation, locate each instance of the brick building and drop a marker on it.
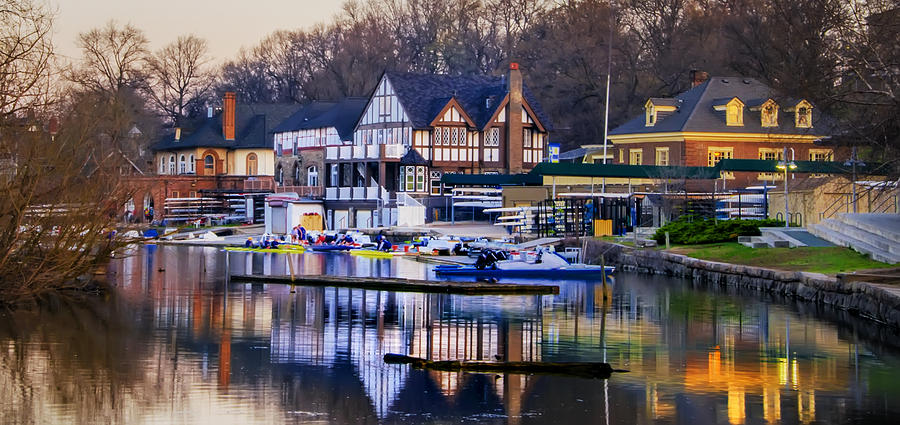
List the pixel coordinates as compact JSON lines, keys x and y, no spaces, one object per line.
{"x":723,"y":118}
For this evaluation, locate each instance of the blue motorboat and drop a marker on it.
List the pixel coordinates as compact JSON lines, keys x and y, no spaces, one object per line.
{"x":544,"y":263}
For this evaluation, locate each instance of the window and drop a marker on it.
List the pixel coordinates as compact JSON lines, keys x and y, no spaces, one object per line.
{"x":297,"y":173}
{"x":162,"y":165}
{"x":635,"y":156}
{"x":209,"y":165}
{"x":651,"y":115}
{"x":251,"y":165}
{"x":312,"y":176}
{"x":192,"y":164}
{"x":771,"y":154}
{"x":279,"y":175}
{"x":734,"y":114}
{"x":769,"y":115}
{"x":526,"y":137}
{"x":172,"y":164}
{"x":334,"y":175}
{"x":192,"y":194}
{"x":175,"y":193}
{"x":420,"y":179}
{"x":662,"y":156}
{"x":492,"y":145}
{"x":804,"y":117}
{"x":435,"y":177}
{"x":410,"y":179}
{"x":820,"y":154}
{"x":182,"y":165}
{"x":718,"y":154}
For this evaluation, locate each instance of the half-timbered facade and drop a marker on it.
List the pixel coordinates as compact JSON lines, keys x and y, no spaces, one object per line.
{"x":300,"y":142}
{"x":416,"y":127}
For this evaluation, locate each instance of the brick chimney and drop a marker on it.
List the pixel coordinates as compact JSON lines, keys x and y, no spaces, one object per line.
{"x":698,"y":77}
{"x":514,"y":154}
{"x":228,"y":116}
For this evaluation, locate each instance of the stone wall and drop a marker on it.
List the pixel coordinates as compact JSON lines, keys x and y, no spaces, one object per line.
{"x":877,"y":302}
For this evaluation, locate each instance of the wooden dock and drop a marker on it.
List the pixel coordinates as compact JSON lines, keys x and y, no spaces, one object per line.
{"x":403,"y":285}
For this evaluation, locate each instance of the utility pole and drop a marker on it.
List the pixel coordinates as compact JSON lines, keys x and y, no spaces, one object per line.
{"x":606,"y":106}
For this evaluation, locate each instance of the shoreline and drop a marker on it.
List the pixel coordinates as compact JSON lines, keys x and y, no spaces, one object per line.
{"x":879,"y":303}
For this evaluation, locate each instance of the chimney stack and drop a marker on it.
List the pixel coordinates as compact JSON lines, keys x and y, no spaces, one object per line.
{"x":514,"y":154}
{"x":698,"y":77}
{"x":228,"y":116}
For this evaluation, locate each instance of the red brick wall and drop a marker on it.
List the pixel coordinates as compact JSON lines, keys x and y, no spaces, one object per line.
{"x":161,"y":187}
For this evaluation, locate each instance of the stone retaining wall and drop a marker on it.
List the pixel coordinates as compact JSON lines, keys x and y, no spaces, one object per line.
{"x":877,"y":302}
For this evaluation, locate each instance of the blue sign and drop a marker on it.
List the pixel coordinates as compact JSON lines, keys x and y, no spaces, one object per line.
{"x":554,"y":152}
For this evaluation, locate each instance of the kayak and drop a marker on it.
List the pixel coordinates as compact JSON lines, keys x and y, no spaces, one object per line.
{"x":574,"y":271}
{"x":371,"y":253}
{"x":290,"y":249}
{"x":331,"y":248}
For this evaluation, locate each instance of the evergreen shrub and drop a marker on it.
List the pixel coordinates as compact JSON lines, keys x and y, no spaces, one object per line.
{"x":692,"y":230}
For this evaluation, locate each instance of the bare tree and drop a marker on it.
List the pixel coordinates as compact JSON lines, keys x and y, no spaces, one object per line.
{"x":178,"y":77}
{"x":60,"y":187}
{"x":111,"y":59}
{"x":25,"y":55}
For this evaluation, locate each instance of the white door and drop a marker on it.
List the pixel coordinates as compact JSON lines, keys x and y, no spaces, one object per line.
{"x":364,"y":219}
{"x":279,"y":220}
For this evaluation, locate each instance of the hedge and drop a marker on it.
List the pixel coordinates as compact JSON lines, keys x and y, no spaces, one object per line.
{"x":690,"y":230}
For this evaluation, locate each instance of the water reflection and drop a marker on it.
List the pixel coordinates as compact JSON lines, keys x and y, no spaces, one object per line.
{"x":173,"y":343}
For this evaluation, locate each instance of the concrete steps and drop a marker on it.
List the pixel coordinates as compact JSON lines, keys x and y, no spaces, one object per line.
{"x":881,"y":243}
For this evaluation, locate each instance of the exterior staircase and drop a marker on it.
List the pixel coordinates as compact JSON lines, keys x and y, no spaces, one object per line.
{"x":877,"y":235}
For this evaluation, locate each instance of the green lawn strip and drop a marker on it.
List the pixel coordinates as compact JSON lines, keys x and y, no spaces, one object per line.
{"x":827,"y":260}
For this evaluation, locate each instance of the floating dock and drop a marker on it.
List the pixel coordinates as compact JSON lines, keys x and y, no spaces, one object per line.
{"x":403,"y":285}
{"x":580,"y":369}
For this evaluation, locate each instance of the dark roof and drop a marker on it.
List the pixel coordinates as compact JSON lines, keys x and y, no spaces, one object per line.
{"x":491,"y":179}
{"x":254,"y":125}
{"x":664,"y":101}
{"x":424,"y":95}
{"x":696,"y":114}
{"x":341,"y":115}
{"x":624,"y":171}
{"x":413,"y":157}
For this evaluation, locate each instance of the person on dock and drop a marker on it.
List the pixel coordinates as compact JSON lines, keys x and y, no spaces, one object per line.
{"x":346,"y":240}
{"x":295,"y":234}
{"x":383,"y":244}
{"x":301,"y":233}
{"x":248,"y":243}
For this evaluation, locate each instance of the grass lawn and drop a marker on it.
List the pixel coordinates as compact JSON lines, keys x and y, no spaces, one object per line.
{"x":829,"y":260}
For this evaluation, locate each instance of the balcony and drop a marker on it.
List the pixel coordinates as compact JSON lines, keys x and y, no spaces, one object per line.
{"x":371,"y":193}
{"x":313,"y":192}
{"x":365,"y":152}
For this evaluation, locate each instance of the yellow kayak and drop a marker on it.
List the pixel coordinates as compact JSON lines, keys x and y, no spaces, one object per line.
{"x":371,"y":253}
{"x":288,"y":249}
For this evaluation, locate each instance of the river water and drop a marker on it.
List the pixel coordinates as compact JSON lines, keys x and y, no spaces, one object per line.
{"x":175,"y":343}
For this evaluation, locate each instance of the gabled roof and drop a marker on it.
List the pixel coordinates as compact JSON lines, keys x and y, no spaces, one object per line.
{"x":254,"y":125}
{"x":413,"y":157}
{"x":341,"y":115}
{"x":696,"y":113}
{"x":423,"y":96}
{"x":664,"y":101}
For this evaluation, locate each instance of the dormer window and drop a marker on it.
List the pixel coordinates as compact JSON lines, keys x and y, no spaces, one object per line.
{"x":803,"y":115}
{"x":769,"y":114}
{"x":656,"y":106}
{"x":734,"y":111}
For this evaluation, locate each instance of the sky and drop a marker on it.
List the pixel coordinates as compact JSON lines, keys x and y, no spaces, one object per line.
{"x":227,"y":25}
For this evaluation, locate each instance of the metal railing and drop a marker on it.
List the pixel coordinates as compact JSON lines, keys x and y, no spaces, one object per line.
{"x":303,"y":191}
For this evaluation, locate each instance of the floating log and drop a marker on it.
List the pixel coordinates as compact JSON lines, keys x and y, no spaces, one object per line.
{"x":579,"y":369}
{"x":404,"y":285}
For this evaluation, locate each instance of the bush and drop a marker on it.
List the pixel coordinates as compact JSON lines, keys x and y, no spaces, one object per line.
{"x":690,"y":230}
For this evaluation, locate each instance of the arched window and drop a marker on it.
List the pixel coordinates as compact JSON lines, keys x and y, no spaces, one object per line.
{"x":172,"y":164}
{"x":279,"y":175}
{"x":192,"y":164}
{"x":182,"y":166}
{"x":162,"y":165}
{"x":251,"y":165}
{"x":209,"y":165}
{"x":312,"y":176}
